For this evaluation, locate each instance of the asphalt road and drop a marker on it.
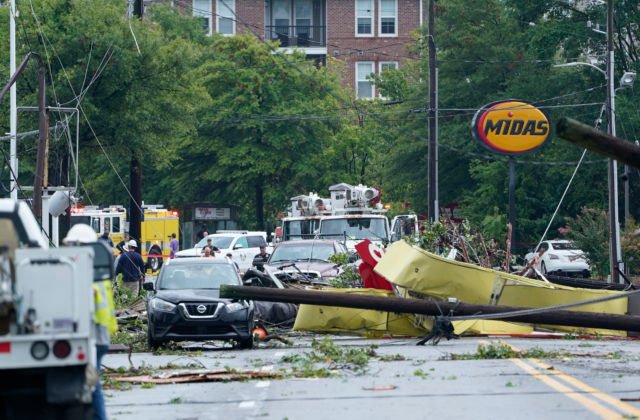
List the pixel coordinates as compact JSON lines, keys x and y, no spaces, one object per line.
{"x":588,"y":379}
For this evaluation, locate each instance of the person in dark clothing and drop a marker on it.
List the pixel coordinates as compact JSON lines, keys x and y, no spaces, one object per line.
{"x":132,"y":268}
{"x":105,"y":237}
{"x":261,"y":259}
{"x":201,"y":233}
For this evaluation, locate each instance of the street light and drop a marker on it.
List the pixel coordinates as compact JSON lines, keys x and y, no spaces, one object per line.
{"x":626,"y":80}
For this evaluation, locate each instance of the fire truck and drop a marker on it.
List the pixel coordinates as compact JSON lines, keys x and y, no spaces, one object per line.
{"x":158,"y":223}
{"x":351,"y":214}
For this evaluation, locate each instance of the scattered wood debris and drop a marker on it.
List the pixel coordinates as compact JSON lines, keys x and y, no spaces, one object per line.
{"x":190,"y":376}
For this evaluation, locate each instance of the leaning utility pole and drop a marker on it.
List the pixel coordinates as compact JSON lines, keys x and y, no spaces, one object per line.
{"x":135,"y":175}
{"x":614,"y":227}
{"x":433,"y":128}
{"x":432,"y":307}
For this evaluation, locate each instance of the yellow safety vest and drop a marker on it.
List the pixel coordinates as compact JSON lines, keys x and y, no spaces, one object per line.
{"x":104,"y":307}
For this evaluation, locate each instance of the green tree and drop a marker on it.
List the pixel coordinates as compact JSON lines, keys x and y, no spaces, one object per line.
{"x":255,"y":142}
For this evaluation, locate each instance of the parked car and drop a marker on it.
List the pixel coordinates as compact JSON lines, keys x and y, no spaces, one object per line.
{"x":305,"y":260}
{"x":185,"y":304}
{"x":243,"y":246}
{"x":561,"y":257}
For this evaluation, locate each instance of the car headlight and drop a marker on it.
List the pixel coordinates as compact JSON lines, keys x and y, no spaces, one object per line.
{"x":162,"y":305}
{"x":235,"y":306}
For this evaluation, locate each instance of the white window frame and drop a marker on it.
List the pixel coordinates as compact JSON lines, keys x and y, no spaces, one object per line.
{"x":373,"y":18}
{"x":380,"y":34}
{"x":232,"y":5}
{"x":373,"y":86}
{"x":197,"y":12}
{"x":380,"y":70}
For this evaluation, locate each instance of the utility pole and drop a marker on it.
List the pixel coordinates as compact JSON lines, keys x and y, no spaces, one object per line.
{"x":13,"y":114}
{"x":135,"y":176}
{"x":512,"y":205}
{"x":615,"y":255}
{"x":433,"y":132}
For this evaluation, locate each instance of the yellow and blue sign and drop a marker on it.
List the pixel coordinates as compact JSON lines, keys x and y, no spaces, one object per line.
{"x":511,"y":127}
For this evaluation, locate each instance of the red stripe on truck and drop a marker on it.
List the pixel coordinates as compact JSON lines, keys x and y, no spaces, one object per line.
{"x":5,"y":347}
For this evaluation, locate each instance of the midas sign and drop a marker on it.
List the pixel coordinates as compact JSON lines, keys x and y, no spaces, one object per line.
{"x":511,"y":127}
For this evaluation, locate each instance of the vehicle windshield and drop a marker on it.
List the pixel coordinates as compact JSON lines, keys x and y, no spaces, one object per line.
{"x":218,"y":241}
{"x":356,"y":228}
{"x":298,"y":229}
{"x":197,"y":276}
{"x":564,"y":246}
{"x":303,"y":251}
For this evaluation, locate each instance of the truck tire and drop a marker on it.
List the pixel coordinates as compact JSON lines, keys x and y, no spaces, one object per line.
{"x":154,"y":263}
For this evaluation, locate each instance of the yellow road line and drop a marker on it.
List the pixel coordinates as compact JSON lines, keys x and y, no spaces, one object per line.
{"x":550,"y":372}
{"x":620,"y":405}
{"x":595,"y":407}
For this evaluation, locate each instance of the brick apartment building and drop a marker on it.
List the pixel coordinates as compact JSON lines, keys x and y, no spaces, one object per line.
{"x":366,"y":36}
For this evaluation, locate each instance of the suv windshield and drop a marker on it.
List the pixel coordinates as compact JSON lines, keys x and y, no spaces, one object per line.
{"x":303,"y":251}
{"x":357,"y":228}
{"x":197,"y":276}
{"x":221,"y":242}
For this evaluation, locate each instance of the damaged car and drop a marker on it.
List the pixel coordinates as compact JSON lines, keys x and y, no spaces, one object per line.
{"x":185,"y":304}
{"x":305,"y":261}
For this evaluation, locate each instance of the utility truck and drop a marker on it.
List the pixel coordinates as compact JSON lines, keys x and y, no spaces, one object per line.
{"x":351,"y":214}
{"x":47,"y":338}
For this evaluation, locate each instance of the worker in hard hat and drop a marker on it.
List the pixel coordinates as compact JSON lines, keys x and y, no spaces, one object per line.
{"x":104,"y":319}
{"x":132,"y":267}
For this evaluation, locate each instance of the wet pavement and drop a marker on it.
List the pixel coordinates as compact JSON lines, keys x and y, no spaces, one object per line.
{"x":563,"y":378}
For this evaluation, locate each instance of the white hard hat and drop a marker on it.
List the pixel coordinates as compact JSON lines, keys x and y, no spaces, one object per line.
{"x":132,"y":243}
{"x":80,"y":233}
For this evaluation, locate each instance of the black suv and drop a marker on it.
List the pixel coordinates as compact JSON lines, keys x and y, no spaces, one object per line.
{"x":185,"y":304}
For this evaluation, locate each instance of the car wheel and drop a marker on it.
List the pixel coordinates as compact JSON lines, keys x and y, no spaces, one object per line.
{"x":152,"y":343}
{"x":245,"y":343}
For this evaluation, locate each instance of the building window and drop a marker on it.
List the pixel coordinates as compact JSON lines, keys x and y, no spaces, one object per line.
{"x":226,"y":13}
{"x":202,"y":9}
{"x":388,"y":17}
{"x":364,"y":84}
{"x":386,"y":66}
{"x":364,"y":17}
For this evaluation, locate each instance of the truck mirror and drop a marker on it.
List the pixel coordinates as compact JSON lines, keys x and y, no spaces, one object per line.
{"x":102,"y":261}
{"x":148,"y":286}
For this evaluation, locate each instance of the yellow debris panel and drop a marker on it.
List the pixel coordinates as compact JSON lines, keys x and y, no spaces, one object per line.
{"x":418,"y":272}
{"x":331,"y":319}
{"x":358,"y":321}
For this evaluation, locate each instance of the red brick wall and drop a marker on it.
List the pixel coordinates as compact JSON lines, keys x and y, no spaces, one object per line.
{"x":252,"y":13}
{"x":345,"y":47}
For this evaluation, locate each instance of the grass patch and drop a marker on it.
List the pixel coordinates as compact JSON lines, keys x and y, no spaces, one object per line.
{"x":504,"y":351}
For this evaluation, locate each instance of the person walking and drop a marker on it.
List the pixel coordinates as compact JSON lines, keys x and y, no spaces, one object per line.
{"x":174,"y":246}
{"x":104,"y":321}
{"x":132,"y":268}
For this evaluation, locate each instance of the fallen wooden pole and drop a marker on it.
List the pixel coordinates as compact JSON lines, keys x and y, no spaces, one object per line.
{"x":430,"y":307}
{"x":599,"y":142}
